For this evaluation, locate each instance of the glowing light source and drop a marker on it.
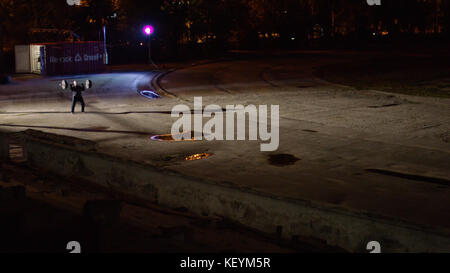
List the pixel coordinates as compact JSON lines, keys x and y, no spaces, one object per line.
{"x":73,"y":2}
{"x":148,"y":30}
{"x":197,"y":156}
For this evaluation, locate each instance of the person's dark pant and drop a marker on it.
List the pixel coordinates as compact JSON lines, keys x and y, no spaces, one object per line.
{"x":75,"y":99}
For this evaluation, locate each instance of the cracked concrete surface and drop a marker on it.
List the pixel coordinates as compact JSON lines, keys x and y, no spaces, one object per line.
{"x":337,"y":132}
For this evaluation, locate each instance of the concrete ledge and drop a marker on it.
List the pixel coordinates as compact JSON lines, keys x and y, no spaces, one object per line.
{"x":337,"y":226}
{"x":77,"y":143}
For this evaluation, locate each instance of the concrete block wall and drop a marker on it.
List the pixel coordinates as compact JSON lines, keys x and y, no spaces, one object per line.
{"x":336,"y":226}
{"x":4,"y":147}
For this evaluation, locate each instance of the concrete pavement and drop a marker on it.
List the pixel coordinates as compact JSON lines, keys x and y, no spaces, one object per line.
{"x":340,"y":136}
{"x":366,"y":150}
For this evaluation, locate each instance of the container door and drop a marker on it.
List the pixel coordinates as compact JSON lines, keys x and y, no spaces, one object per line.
{"x":22,"y":56}
{"x":42,"y":49}
{"x":35,"y":52}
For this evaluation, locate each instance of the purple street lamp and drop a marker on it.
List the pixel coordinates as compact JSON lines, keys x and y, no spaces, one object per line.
{"x":148,"y":31}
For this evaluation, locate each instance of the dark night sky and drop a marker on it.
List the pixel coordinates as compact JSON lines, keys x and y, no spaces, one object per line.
{"x":219,"y":24}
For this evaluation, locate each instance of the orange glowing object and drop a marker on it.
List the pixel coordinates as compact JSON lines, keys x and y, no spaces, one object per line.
{"x":197,"y":156}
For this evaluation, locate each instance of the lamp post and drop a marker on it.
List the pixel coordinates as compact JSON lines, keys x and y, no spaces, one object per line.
{"x":148,"y":31}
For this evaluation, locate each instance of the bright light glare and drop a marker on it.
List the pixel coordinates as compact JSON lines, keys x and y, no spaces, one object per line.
{"x":148,"y":30}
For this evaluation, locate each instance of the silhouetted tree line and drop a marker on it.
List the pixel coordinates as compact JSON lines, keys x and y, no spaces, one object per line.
{"x":184,"y":26}
{"x":202,"y":24}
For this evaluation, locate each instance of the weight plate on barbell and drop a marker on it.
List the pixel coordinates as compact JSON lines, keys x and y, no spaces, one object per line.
{"x":64,"y":84}
{"x":88,"y":84}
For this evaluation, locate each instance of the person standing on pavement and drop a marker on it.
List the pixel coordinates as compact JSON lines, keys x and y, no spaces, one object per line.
{"x":76,"y":95}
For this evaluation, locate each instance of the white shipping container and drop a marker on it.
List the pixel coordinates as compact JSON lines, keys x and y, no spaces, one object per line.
{"x":28,"y":58}
{"x":22,"y":54}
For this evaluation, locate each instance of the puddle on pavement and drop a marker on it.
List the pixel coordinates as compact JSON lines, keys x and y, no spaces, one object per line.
{"x":281,"y":160}
{"x":197,"y":156}
{"x":149,"y":94}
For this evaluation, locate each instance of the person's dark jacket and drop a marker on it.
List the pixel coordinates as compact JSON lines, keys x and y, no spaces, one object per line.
{"x":76,"y":90}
